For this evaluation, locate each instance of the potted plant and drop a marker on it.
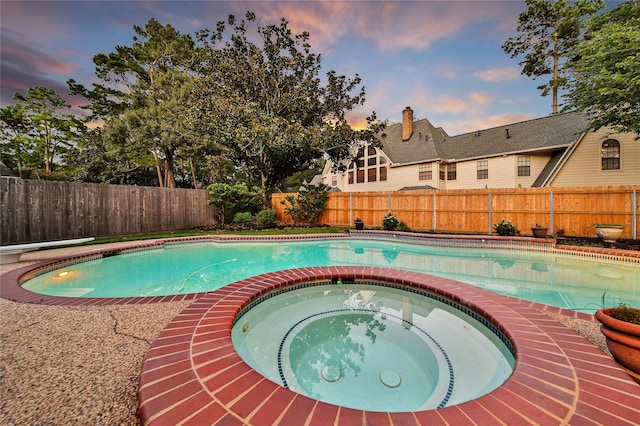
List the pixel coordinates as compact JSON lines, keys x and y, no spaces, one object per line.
{"x":621,"y":328}
{"x":609,"y":232}
{"x":539,"y":231}
{"x":359,"y":224}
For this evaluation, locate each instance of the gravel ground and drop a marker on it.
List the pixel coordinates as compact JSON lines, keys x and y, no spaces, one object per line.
{"x":62,"y":365}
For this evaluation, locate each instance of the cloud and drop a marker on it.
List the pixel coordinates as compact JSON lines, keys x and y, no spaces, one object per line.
{"x":479,"y":123}
{"x":498,"y":74}
{"x":388,"y":25}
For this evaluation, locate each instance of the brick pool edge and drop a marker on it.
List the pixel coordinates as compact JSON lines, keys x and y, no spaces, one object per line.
{"x":192,"y":375}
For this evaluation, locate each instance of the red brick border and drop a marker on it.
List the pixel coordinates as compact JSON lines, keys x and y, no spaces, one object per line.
{"x":192,"y":375}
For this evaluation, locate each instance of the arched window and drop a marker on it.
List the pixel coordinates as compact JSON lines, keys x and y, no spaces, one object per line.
{"x":611,"y":155}
{"x":369,"y":166}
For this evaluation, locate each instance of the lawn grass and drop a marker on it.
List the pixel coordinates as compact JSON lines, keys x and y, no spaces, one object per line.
{"x":194,"y":232}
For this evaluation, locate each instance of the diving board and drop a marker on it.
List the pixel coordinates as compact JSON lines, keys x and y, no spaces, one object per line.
{"x":12,"y":253}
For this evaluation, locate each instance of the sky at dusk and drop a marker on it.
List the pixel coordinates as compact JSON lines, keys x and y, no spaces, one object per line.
{"x":442,"y":58}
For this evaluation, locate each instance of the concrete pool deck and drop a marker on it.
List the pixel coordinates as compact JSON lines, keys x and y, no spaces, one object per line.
{"x":560,"y":379}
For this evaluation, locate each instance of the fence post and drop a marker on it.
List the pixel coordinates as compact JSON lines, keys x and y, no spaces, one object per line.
{"x":551,"y":212}
{"x":389,"y":202}
{"x":350,"y":208}
{"x":634,"y":214}
{"x":490,"y":214}
{"x":435,"y":220}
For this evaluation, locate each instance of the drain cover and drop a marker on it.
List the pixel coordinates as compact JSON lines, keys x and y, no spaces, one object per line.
{"x":390,"y":378}
{"x":331,"y":373}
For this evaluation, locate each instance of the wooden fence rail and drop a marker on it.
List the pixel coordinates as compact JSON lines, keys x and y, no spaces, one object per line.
{"x":36,"y":210}
{"x":573,"y":210}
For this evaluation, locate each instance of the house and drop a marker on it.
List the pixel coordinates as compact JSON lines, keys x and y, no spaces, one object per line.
{"x":543,"y":152}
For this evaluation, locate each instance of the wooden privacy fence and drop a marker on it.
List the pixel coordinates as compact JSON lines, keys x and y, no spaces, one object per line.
{"x":36,"y":210}
{"x":572,"y":210}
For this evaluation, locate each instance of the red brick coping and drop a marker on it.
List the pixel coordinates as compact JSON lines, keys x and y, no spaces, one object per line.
{"x":11,"y":282}
{"x":192,"y":375}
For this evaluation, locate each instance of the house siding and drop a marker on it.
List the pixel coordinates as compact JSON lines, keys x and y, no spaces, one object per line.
{"x":397,"y":178}
{"x":501,"y":174}
{"x":584,"y":167}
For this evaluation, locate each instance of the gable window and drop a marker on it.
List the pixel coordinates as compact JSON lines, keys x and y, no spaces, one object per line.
{"x":452,"y":171}
{"x":334,"y":180}
{"x":425,"y":172}
{"x":482,"y":167}
{"x":524,"y":165}
{"x":369,"y":166}
{"x":611,"y":155}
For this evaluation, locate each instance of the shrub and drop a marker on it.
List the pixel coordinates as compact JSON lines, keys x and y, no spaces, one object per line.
{"x":231,"y":199}
{"x":389,"y":222}
{"x":267,"y":218}
{"x":403,"y":227}
{"x":244,"y":219}
{"x":505,"y":228}
{"x":307,"y":205}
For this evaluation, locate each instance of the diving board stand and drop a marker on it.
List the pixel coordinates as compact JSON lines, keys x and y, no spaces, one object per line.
{"x":12,"y":253}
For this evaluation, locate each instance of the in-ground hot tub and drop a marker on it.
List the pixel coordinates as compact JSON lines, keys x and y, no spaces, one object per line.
{"x":372,"y":345}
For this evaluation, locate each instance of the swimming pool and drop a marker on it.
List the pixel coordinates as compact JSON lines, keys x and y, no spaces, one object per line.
{"x":372,"y":346}
{"x":550,"y":277}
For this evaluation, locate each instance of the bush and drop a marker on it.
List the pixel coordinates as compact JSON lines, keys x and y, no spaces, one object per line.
{"x":307,"y":205}
{"x":389,"y":222}
{"x":244,"y":219}
{"x":403,"y":227}
{"x":505,"y":228}
{"x":267,"y":218}
{"x":231,"y":199}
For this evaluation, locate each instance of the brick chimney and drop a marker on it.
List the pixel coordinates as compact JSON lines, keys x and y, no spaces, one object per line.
{"x":407,"y":123}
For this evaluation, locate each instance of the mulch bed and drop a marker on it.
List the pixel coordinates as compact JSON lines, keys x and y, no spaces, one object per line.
{"x":597,"y":242}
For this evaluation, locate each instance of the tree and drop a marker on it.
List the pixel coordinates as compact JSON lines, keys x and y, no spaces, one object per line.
{"x":266,"y":104}
{"x":16,"y":148}
{"x":154,"y":73}
{"x":41,"y":131}
{"x":606,"y":70}
{"x":549,"y":30}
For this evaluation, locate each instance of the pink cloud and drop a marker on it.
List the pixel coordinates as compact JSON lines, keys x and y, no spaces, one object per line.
{"x":480,"y":98}
{"x":498,"y":74}
{"x":470,"y":125}
{"x":398,"y":25}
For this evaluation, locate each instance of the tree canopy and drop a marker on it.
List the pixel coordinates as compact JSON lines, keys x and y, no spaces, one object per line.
{"x":266,"y":103}
{"x":37,"y":130}
{"x":549,"y":30}
{"x":606,"y":70}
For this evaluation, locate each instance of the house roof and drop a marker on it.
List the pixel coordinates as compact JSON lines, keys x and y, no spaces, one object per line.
{"x":429,"y":143}
{"x":421,"y":146}
{"x":542,"y":134}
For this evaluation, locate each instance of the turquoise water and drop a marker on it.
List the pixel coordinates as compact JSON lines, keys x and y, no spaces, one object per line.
{"x":557,"y":280}
{"x":371,"y":348}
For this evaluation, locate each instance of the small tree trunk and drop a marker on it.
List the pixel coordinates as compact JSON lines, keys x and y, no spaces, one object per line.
{"x":168,"y":160}
{"x":158,"y":169}
{"x":193,"y":173}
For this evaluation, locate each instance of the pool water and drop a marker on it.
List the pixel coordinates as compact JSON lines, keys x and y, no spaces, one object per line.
{"x":371,"y":347}
{"x":557,"y":280}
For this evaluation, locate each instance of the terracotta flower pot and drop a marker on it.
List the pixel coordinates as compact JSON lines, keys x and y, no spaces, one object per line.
{"x":623,"y":340}
{"x":539,"y":232}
